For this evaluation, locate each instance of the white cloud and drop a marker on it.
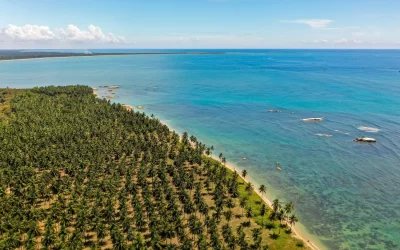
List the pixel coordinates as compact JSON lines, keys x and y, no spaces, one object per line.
{"x":95,"y":34}
{"x":28,"y":33}
{"x":313,"y":23}
{"x":43,"y":34}
{"x":347,"y":41}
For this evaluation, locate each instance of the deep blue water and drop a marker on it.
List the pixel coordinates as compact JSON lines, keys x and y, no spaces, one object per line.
{"x":346,"y":193}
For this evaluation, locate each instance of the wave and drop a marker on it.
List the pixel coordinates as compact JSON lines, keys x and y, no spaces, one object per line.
{"x":339,"y":131}
{"x":325,"y":135}
{"x":369,"y":129}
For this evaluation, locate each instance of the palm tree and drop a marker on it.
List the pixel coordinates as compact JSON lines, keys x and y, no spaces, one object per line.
{"x":221,"y":155}
{"x":263,"y":211}
{"x":223,"y":160}
{"x":101,"y":232}
{"x":116,"y":178}
{"x":292,"y":220}
{"x":12,"y":241}
{"x":30,"y":242}
{"x":230,"y":203}
{"x":203,"y":209}
{"x":168,"y":231}
{"x":49,"y":237}
{"x":201,"y":242}
{"x":243,"y":203}
{"x":228,"y":215}
{"x":257,"y":239}
{"x":280,"y":217}
{"x":262,"y":189}
{"x":289,"y":207}
{"x":249,"y":213}
{"x":249,"y":187}
{"x":256,"y":233}
{"x":244,"y":173}
{"x":276,"y":206}
{"x":139,"y":243}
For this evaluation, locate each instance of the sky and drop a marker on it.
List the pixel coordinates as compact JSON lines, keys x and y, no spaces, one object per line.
{"x":172,"y":24}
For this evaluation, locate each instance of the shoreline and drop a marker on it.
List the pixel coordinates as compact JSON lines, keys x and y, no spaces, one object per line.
{"x":301,"y":234}
{"x":296,"y":231}
{"x":110,"y":54}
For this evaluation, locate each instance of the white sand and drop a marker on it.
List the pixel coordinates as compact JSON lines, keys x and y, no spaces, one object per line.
{"x":298,"y":230}
{"x":300,"y":234}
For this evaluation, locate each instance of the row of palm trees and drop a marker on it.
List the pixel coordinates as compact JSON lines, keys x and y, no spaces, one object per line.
{"x":77,"y":172}
{"x":278,"y":213}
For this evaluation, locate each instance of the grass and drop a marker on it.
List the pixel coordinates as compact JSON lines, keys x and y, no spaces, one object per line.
{"x":6,"y":94}
{"x":270,"y":234}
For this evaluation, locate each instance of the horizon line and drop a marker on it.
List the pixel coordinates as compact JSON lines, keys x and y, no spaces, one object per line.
{"x":202,"y":48}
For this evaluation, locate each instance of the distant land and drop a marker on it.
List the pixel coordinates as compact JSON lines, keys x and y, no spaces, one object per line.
{"x":6,"y":55}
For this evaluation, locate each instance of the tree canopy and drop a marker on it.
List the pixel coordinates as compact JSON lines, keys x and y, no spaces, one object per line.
{"x":80,"y":172}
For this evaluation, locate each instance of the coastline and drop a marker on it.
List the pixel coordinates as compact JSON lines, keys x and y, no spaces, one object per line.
{"x":299,"y":174}
{"x":110,"y":54}
{"x":297,"y":232}
{"x":50,"y":57}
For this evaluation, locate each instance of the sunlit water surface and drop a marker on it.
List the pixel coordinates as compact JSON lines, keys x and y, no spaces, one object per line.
{"x":346,"y":193}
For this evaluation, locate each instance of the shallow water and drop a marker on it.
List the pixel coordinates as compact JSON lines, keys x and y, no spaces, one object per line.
{"x":345,"y":193}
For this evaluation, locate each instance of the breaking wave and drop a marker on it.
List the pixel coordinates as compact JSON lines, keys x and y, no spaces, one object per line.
{"x":368,"y":129}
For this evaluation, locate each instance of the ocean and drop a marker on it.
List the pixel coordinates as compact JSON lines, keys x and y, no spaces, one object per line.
{"x":346,"y":193}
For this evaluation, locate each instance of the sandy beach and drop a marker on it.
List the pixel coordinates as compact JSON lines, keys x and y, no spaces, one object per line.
{"x":300,"y":234}
{"x":297,"y":232}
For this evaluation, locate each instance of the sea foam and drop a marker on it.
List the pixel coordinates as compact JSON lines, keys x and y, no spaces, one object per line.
{"x":369,"y":129}
{"x":324,"y":135}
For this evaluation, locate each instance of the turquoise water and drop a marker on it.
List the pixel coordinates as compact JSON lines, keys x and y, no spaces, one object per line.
{"x":346,"y":193}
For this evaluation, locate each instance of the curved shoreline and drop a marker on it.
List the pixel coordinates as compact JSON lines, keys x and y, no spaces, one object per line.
{"x":303,"y":235}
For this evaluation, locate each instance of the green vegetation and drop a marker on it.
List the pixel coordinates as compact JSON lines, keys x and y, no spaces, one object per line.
{"x":78,"y":172}
{"x":5,"y":97}
{"x":18,"y":54}
{"x":6,"y":55}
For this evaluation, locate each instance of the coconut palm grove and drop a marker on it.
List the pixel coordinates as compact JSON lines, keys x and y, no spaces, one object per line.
{"x":79,"y":172}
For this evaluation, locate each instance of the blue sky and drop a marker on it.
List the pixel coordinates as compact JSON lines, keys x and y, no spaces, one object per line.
{"x":200,"y":24}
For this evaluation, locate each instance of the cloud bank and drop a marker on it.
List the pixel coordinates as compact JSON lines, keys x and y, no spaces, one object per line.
{"x":95,"y":34}
{"x":70,"y":34}
{"x":28,"y":33}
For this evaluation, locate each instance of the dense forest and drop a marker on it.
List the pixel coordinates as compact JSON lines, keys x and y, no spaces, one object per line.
{"x":78,"y":172}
